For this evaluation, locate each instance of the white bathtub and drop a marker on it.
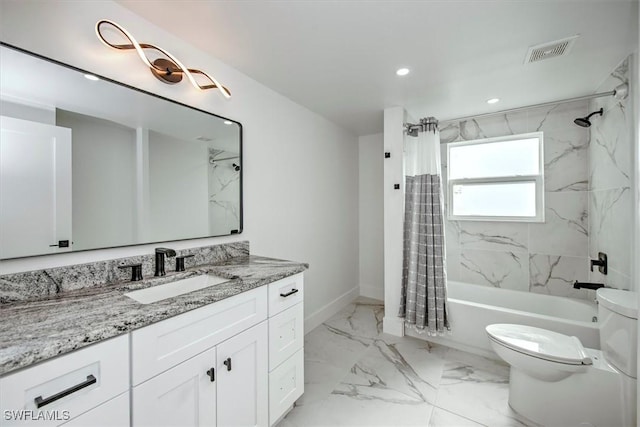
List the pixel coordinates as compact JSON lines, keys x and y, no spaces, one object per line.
{"x":472,"y":308}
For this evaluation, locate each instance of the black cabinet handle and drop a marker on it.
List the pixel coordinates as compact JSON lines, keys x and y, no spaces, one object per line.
{"x":212,"y":374}
{"x":61,"y":244}
{"x":227,"y":363}
{"x":40,"y":402}
{"x":293,"y":291}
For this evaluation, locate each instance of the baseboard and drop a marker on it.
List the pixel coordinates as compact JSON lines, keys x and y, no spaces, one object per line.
{"x":393,"y":325}
{"x":316,"y":318}
{"x":375,"y":292}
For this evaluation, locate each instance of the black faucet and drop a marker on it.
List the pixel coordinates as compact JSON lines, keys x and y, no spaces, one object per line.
{"x":160,"y":254}
{"x":586,"y":285}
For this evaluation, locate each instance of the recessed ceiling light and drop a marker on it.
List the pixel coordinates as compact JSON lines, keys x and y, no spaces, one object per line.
{"x":402,"y":71}
{"x":228,"y":122}
{"x":493,"y":100}
{"x":91,"y":77}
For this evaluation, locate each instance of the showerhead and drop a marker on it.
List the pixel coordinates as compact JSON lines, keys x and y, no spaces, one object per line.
{"x":584,"y":121}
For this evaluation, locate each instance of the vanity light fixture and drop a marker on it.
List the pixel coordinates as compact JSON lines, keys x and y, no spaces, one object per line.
{"x":493,"y":100}
{"x":168,"y":69}
{"x":91,"y":77}
{"x":402,"y":71}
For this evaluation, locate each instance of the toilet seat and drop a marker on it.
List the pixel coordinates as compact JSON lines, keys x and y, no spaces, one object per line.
{"x":540,"y":343}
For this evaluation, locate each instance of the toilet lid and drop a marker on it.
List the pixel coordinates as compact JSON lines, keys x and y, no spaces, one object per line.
{"x":540,"y":343}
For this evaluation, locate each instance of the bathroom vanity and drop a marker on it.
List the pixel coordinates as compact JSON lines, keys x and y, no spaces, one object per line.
{"x":228,"y":354}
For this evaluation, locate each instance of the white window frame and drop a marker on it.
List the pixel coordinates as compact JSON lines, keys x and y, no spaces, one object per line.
{"x":537,"y":179}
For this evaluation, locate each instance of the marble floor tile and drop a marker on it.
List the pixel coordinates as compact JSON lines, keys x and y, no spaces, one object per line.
{"x":477,"y":389}
{"x":320,"y":379}
{"x":403,"y":373}
{"x":333,"y":346}
{"x":362,"y":318}
{"x":444,"y":418}
{"x":312,"y":415}
{"x":341,"y":410}
{"x":355,"y":375}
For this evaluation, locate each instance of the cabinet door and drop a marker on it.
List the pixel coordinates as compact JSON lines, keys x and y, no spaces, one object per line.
{"x":35,"y":183}
{"x":243,"y":379}
{"x":182,"y":396}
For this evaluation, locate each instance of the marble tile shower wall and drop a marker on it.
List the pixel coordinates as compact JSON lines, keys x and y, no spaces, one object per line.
{"x":535,"y":257}
{"x":610,"y":192}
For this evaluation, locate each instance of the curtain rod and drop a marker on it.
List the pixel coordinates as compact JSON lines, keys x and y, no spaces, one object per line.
{"x":620,"y":92}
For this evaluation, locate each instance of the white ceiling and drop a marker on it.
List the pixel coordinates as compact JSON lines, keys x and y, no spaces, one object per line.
{"x":338,"y":58}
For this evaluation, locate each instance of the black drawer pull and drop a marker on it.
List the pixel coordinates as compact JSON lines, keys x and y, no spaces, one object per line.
{"x":293,"y":291}
{"x":228,"y":363}
{"x":40,"y":402}
{"x":212,"y":374}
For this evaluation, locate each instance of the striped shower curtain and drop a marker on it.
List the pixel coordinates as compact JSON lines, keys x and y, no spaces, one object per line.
{"x":423,"y":303}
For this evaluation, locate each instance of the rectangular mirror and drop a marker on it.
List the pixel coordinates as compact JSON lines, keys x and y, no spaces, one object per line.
{"x":88,"y":163}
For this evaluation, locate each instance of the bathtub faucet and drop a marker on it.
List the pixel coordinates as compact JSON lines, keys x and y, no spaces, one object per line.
{"x":586,"y":285}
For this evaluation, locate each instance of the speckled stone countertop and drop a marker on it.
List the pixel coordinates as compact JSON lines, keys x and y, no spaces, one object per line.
{"x":36,"y":330}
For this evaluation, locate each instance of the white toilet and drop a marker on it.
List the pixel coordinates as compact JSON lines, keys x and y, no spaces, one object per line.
{"x":555,"y":381}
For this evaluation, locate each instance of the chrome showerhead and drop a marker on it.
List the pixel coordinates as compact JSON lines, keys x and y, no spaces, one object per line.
{"x":584,"y":121}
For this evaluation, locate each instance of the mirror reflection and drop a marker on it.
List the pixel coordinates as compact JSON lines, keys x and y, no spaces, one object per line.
{"x":87,"y":163}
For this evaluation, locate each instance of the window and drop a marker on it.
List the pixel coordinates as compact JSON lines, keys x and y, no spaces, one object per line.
{"x":497,"y":179}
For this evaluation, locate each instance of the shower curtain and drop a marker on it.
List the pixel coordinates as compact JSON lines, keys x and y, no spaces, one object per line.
{"x":423,"y":303}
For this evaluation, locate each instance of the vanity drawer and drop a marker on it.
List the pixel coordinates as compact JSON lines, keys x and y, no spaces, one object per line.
{"x":286,"y":334}
{"x":162,"y":345}
{"x":286,"y":385}
{"x":68,"y":386}
{"x":114,"y":413}
{"x":285,"y":293}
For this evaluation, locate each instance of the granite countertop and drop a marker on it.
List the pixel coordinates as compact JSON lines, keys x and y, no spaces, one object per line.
{"x":36,"y":330}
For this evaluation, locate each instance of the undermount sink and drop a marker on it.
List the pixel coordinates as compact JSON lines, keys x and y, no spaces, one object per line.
{"x":173,"y":289}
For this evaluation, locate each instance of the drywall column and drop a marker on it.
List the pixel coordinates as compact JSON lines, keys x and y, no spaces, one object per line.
{"x":393,"y":218}
{"x":370,"y":214}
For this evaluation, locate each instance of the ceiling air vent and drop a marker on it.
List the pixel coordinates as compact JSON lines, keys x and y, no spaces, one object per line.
{"x":550,"y":50}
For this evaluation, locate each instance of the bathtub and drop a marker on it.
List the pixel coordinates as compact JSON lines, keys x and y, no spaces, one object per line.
{"x":472,"y":308}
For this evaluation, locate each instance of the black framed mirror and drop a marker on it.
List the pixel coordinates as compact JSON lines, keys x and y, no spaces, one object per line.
{"x":88,"y":163}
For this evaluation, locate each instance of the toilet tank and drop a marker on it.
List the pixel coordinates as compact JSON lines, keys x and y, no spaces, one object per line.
{"x":618,"y":319}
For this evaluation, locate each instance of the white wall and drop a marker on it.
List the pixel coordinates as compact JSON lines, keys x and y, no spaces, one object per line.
{"x":371,"y":218}
{"x":103,"y":195}
{"x":300,"y":174}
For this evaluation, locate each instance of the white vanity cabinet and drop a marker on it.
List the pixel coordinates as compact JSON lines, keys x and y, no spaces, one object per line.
{"x":206,"y":367}
{"x":286,"y":341}
{"x":114,"y":413}
{"x":70,"y":388}
{"x":236,"y":362}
